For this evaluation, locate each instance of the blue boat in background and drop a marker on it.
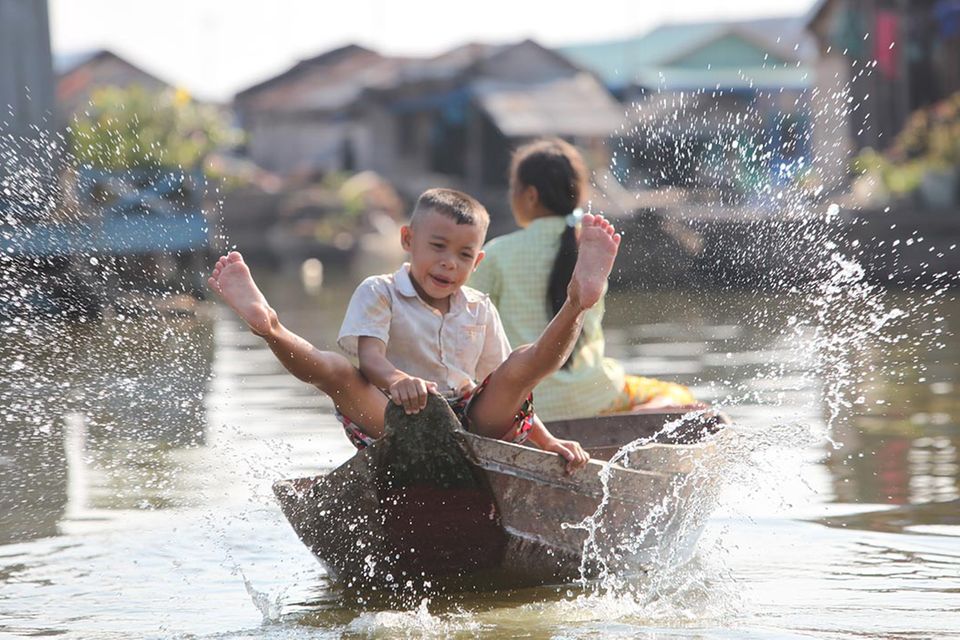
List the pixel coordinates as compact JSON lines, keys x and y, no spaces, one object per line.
{"x":113,"y":235}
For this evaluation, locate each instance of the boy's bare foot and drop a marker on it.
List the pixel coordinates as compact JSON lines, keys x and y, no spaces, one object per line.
{"x":598,"y":247}
{"x":231,"y":279}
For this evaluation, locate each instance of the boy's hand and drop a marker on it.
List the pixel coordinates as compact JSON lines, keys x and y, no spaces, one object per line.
{"x":411,"y":393}
{"x":571,"y":450}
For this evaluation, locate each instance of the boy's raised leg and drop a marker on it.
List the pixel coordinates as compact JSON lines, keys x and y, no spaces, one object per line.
{"x":233,"y":282}
{"x":492,"y":413}
{"x":330,"y":372}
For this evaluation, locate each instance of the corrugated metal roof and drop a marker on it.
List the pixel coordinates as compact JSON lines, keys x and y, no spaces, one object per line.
{"x":672,"y":79}
{"x":448,"y":64}
{"x":323,"y":59}
{"x":326,"y":83}
{"x":574,"y":106}
{"x":111,"y":234}
{"x":620,"y":63}
{"x":64,"y":62}
{"x":128,"y":212}
{"x":334,"y":80}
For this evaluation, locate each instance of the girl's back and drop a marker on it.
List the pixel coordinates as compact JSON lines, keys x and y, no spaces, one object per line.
{"x":515,"y":273}
{"x":527,"y":272}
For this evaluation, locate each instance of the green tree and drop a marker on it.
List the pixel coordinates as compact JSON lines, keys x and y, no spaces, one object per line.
{"x":137,"y":129}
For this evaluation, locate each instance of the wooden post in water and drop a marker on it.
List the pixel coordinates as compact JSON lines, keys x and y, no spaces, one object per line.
{"x":26,"y":66}
{"x":27,"y":104}
{"x":75,"y":446}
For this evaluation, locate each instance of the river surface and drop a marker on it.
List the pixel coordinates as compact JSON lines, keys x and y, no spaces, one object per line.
{"x":137,"y":454}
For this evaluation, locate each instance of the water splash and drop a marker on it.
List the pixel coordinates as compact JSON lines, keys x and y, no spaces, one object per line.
{"x":269,"y":608}
{"x":93,"y":327}
{"x":417,"y":622}
{"x":717,"y":160}
{"x":645,"y":570}
{"x":844,"y":316}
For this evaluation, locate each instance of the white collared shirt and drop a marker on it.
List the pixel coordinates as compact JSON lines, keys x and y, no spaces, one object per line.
{"x":456,"y":349}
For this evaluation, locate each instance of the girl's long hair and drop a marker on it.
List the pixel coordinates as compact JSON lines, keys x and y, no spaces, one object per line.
{"x":560,"y":175}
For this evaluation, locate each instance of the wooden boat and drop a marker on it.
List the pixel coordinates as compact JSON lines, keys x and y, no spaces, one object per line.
{"x":430,"y":506}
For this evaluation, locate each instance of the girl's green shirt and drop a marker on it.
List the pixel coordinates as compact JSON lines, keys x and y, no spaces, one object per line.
{"x":514,"y":274}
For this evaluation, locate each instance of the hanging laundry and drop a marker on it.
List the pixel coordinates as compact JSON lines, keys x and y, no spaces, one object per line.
{"x":885,"y":51}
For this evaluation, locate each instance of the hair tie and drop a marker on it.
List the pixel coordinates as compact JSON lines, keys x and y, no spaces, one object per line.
{"x":574,"y":218}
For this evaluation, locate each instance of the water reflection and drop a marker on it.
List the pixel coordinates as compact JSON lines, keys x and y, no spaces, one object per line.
{"x":897,"y":435}
{"x":892,"y":468}
{"x":137,"y":387}
{"x":189,"y":419}
{"x":142,"y":384}
{"x":33,"y":479}
{"x":898,"y":438}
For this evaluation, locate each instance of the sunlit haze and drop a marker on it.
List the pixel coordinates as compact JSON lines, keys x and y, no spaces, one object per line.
{"x":215,"y":48}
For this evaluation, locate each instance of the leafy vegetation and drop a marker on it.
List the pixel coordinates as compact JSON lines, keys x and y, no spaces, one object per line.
{"x":137,"y":129}
{"x":929,"y":143}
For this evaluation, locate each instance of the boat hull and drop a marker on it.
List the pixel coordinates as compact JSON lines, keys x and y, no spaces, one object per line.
{"x":430,"y":506}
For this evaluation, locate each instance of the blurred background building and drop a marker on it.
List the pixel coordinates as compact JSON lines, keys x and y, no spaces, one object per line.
{"x":703,"y":136}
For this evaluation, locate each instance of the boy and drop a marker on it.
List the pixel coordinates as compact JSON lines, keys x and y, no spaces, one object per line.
{"x":420,"y":330}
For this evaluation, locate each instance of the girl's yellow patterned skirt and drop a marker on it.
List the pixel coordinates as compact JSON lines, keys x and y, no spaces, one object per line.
{"x":638,"y":391}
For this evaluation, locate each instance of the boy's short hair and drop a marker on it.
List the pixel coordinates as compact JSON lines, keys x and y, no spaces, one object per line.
{"x":459,"y":206}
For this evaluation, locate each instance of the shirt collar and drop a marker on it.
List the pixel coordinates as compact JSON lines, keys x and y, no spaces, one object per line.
{"x":404,"y":284}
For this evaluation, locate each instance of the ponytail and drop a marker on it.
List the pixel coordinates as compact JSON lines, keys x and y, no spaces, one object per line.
{"x":558,"y":172}
{"x":560,"y":276}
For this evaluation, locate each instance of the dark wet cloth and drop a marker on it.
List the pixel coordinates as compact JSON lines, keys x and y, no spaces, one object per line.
{"x":518,"y":433}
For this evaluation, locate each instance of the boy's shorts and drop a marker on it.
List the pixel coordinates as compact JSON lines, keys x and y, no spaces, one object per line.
{"x":518,"y":433}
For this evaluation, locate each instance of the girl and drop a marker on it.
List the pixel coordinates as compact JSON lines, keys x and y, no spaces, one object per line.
{"x":526,"y":274}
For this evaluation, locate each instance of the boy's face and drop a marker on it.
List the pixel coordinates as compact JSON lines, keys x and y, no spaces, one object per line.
{"x":443,"y":254}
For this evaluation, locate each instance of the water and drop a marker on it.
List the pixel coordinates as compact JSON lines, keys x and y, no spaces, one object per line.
{"x":137,"y":454}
